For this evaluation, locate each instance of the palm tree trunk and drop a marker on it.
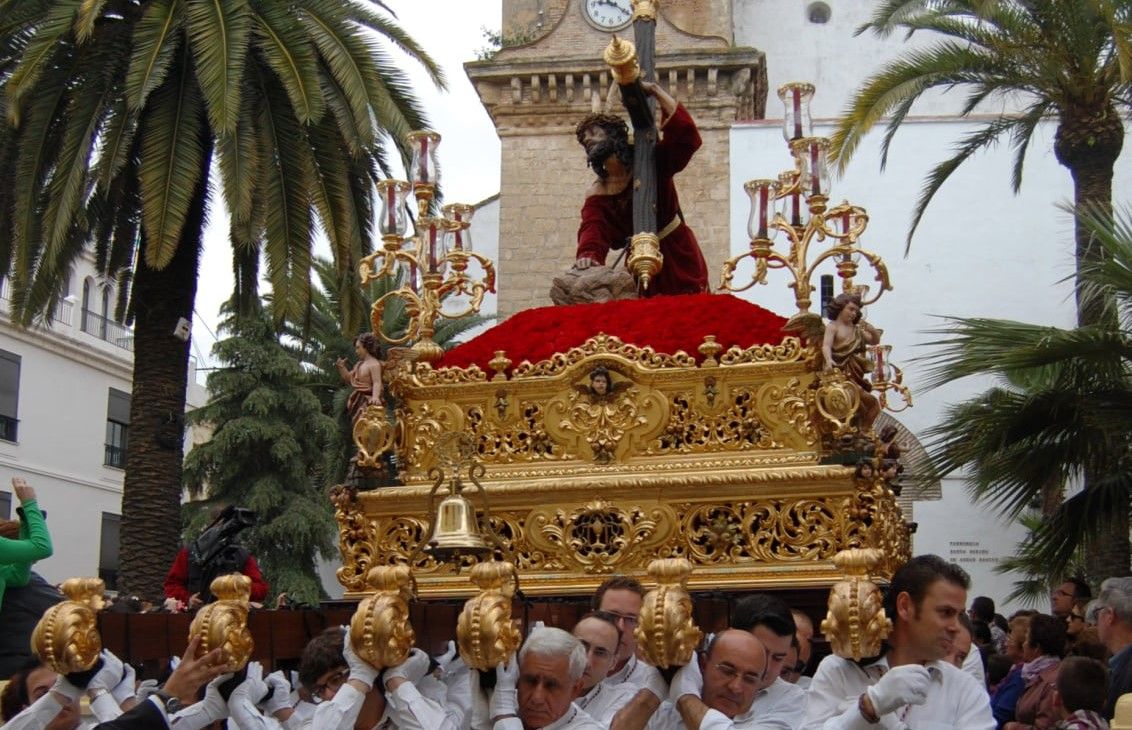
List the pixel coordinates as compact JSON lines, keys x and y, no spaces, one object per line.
{"x":1107,"y":553}
{"x":151,"y":499}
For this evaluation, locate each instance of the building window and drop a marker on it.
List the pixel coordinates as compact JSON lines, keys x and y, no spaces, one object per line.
{"x":9,"y":394}
{"x":5,"y":505}
{"x":108,"y":550}
{"x":818,"y":13}
{"x":117,"y":428}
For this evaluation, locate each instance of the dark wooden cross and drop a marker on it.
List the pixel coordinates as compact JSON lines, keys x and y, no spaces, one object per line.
{"x":641,"y":109}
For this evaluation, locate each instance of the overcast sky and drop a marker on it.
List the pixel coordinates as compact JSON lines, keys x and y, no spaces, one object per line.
{"x":451,"y":31}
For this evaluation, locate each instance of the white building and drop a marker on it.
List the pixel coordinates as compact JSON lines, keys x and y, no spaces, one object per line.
{"x":64,"y":422}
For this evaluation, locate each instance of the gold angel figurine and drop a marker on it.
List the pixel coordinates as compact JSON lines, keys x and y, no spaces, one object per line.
{"x":667,"y":634}
{"x":224,"y":623}
{"x":856,"y":623}
{"x":380,"y":631}
{"x":66,"y":637}
{"x":485,"y":632}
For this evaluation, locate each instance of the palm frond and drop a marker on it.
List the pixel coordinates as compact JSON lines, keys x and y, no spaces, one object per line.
{"x":218,"y":32}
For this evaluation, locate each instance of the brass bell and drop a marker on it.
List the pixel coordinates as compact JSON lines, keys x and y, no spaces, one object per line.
{"x":456,"y":530}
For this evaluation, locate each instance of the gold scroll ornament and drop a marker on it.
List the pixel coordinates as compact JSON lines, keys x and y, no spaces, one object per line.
{"x":223,"y":624}
{"x":856,"y":623}
{"x":66,"y":638}
{"x":485,"y":631}
{"x":373,"y":435}
{"x":380,"y":631}
{"x":667,"y":634}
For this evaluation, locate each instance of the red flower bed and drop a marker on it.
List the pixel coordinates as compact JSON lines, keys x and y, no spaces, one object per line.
{"x":666,"y":323}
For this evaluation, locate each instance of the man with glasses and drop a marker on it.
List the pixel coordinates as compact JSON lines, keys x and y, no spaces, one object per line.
{"x":909,"y":685}
{"x":622,"y":597}
{"x":1062,"y":598}
{"x":1114,"y":626}
{"x":778,"y":704}
{"x":717,"y":689}
{"x":600,"y":636}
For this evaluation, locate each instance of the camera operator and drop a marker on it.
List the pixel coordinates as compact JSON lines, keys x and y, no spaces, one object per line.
{"x":213,"y":554}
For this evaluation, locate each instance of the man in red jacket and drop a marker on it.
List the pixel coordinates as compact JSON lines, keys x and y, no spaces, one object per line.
{"x":213,"y":554}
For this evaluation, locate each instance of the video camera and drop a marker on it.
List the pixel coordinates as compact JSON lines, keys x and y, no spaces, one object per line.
{"x":219,"y":535}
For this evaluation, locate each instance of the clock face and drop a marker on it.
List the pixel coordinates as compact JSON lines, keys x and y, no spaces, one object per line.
{"x":609,"y":14}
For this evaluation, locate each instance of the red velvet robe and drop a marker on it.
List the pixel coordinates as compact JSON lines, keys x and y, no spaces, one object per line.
{"x":608,"y":219}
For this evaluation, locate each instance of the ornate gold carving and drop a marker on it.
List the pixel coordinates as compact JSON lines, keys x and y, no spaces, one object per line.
{"x":767,"y":531}
{"x":485,"y":632}
{"x":789,"y":350}
{"x":785,"y":410}
{"x":667,"y":633}
{"x":605,"y":427}
{"x":645,"y":357}
{"x":499,"y":365}
{"x":521,"y":437}
{"x":373,"y":435}
{"x":645,"y":10}
{"x":709,"y":348}
{"x":66,"y":638}
{"x":837,"y":400}
{"x":356,"y":538}
{"x":598,"y":537}
{"x":380,"y":631}
{"x":427,"y":375}
{"x":856,"y":623}
{"x":223,"y":624}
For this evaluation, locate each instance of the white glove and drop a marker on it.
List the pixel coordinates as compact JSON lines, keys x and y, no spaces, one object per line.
{"x":110,"y":676}
{"x":655,"y":683}
{"x":505,"y":700}
{"x":145,"y":689}
{"x":280,"y":690}
{"x":209,"y":710}
{"x":360,"y":669}
{"x":127,"y":687}
{"x":903,"y":685}
{"x":448,"y":655}
{"x":65,"y":688}
{"x":249,"y":693}
{"x":688,"y":681}
{"x":413,"y":669}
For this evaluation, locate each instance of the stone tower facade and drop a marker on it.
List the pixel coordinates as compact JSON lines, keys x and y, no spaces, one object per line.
{"x":536,"y":92}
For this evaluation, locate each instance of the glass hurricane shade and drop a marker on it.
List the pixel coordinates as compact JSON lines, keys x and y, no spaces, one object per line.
{"x":762,"y":194}
{"x":796,"y":119}
{"x":813,"y":153}
{"x":793,"y":203}
{"x":461,"y":214}
{"x":424,"y":169}
{"x":393,"y":220}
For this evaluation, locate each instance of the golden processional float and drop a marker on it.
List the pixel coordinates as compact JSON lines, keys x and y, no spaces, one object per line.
{"x":733,"y":467}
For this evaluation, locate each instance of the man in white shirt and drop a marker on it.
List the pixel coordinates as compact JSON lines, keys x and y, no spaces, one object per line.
{"x":600,"y":636}
{"x":779,"y":704}
{"x":909,"y":686}
{"x":536,"y":692}
{"x":623,"y":597}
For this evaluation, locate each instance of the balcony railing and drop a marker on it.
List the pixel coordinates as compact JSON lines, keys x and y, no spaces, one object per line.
{"x":107,"y":329}
{"x":115,"y":456}
{"x":9,"y":427}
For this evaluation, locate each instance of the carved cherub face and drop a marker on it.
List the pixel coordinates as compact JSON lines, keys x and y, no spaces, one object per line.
{"x":600,"y":384}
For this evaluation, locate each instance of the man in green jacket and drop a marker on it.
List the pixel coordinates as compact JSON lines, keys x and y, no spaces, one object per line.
{"x":33,"y":543}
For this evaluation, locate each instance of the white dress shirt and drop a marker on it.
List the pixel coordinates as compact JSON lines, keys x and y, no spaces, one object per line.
{"x":973,"y":665}
{"x":636,"y":673}
{"x":604,"y":700}
{"x":778,"y":707}
{"x":574,"y":719}
{"x":955,"y":700}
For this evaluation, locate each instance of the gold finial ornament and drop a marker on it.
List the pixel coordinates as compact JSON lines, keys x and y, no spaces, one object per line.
{"x":485,"y":632}
{"x":645,"y":258}
{"x":621,"y":56}
{"x":66,"y":638}
{"x":380,"y":631}
{"x":856,"y":623}
{"x":223,"y":624}
{"x":667,"y":633}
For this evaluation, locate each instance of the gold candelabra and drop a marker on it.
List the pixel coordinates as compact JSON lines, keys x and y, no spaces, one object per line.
{"x":796,"y":204}
{"x":886,"y":378}
{"x":432,"y":262}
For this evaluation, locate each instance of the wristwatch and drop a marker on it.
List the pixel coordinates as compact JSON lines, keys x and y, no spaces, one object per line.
{"x":172,"y":704}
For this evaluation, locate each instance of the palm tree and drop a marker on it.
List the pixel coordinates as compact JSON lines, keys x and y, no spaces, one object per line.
{"x":1066,"y":59}
{"x":116,"y":111}
{"x":1060,"y":415}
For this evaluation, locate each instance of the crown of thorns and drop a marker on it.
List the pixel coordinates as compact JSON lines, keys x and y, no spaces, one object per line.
{"x":608,"y":122}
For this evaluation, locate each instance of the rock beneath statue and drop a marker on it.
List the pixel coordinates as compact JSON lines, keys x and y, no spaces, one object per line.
{"x":593,"y":285}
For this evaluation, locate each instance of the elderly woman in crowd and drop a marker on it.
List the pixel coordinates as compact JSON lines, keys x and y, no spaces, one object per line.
{"x":1043,"y":650}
